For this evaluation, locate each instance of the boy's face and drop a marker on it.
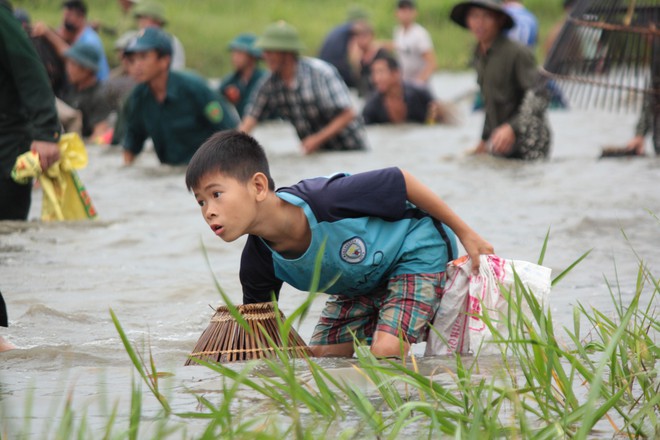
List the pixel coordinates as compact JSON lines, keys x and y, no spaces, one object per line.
{"x":228,"y":206}
{"x":406,"y":15}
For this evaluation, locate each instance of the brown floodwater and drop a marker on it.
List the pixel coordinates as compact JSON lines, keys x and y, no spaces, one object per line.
{"x":143,"y":257}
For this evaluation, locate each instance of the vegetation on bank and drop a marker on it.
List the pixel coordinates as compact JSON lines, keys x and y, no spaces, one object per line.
{"x":205,"y":27}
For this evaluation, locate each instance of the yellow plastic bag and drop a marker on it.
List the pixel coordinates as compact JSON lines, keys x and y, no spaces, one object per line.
{"x":65,"y":196}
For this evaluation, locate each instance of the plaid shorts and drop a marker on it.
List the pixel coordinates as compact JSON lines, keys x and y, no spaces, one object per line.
{"x":405,"y":305}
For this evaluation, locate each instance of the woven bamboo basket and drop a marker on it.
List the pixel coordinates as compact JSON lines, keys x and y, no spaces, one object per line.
{"x":225,"y":340}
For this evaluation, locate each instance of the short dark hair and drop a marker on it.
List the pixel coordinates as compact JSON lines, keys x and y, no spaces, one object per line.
{"x":77,"y":5}
{"x":401,"y":4}
{"x":390,"y":59}
{"x":231,"y":152}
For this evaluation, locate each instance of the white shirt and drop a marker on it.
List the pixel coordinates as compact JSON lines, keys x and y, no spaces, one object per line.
{"x":411,"y":44}
{"x":178,"y":55}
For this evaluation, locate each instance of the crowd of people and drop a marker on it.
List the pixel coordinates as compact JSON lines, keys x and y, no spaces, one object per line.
{"x":127,"y":105}
{"x":61,"y":81}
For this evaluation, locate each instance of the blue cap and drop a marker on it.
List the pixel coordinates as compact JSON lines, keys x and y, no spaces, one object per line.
{"x":151,"y":38}
{"x":245,"y":43}
{"x":84,"y":54}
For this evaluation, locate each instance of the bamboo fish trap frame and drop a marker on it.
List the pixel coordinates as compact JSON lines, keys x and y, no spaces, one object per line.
{"x":226,"y":340}
{"x":607,"y":54}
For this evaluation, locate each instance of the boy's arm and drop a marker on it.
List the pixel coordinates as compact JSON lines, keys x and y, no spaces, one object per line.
{"x":430,"y":64}
{"x":421,"y":196}
{"x":257,"y":274}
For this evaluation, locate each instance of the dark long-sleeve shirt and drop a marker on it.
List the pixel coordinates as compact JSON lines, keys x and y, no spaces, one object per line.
{"x":27,"y":102}
{"x":504,"y":73}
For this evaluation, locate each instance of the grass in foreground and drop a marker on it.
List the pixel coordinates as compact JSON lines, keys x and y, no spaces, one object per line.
{"x":604,"y":383}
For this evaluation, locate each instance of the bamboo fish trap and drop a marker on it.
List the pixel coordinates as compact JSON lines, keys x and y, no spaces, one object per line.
{"x":226,"y":340}
{"x":607,"y":54}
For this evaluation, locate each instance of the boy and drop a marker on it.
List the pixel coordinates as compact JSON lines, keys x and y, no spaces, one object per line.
{"x":384,"y":256}
{"x":414,"y":46}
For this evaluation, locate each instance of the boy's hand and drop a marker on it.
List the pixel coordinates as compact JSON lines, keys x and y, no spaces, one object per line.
{"x":475,"y":246}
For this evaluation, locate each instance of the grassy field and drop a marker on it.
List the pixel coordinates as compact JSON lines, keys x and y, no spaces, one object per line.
{"x":206,"y":27}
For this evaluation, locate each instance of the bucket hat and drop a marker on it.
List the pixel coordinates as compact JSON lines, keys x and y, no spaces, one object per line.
{"x":245,"y":43}
{"x":280,"y":36}
{"x":149,"y":9}
{"x":459,"y":12}
{"x":150,"y":38}
{"x":84,"y":54}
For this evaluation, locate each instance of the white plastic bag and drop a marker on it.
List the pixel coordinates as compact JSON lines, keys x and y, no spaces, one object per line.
{"x":457,"y":324}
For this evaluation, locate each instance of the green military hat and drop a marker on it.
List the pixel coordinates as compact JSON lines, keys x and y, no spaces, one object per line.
{"x":356,"y":12}
{"x":150,"y":9}
{"x":245,"y":43}
{"x":150,"y":38}
{"x":84,"y":54}
{"x":280,"y":36}
{"x":459,"y":12}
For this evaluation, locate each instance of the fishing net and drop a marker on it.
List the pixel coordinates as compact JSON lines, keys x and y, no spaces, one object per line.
{"x":607,"y":54}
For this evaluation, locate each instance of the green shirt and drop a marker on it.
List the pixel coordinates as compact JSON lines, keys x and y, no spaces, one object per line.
{"x":27,"y":103}
{"x":189,"y":115}
{"x":239,"y":92}
{"x":504,"y":73}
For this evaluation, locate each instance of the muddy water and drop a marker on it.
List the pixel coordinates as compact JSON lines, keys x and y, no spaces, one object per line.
{"x":143,"y":258}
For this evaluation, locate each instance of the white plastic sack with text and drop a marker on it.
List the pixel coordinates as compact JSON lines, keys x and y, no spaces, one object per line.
{"x":457,"y":326}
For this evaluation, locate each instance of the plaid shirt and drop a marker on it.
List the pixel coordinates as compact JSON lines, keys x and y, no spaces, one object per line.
{"x":316,"y":97}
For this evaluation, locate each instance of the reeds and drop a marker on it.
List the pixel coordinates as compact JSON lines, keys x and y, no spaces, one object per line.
{"x":227,"y":339}
{"x":546,"y":384}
